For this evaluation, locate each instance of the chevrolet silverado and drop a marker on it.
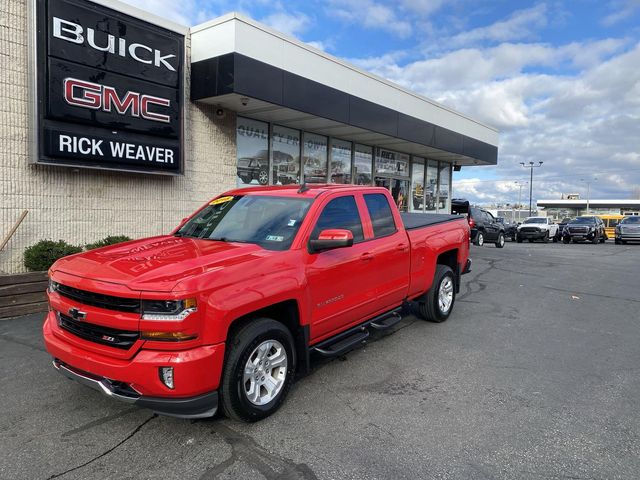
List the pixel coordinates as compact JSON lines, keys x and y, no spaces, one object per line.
{"x":225,"y":310}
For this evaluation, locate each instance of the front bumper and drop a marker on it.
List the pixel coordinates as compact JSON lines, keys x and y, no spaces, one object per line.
{"x":532,"y":235}
{"x":201,"y":406}
{"x":628,"y":237}
{"x":136,"y":380}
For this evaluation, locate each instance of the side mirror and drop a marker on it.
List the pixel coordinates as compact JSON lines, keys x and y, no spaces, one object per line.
{"x":330,"y":239}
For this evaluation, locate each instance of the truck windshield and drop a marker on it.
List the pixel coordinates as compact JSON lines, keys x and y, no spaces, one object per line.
{"x":271,"y":222}
{"x":536,"y":220}
{"x":584,"y":220}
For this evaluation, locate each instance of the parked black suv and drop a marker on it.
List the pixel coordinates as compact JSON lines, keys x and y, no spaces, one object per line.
{"x":584,"y":229}
{"x":484,"y":226}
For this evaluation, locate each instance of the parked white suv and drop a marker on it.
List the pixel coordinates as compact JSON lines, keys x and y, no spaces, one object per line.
{"x":537,"y":228}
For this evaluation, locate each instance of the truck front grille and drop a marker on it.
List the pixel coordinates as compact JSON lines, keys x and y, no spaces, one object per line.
{"x":113,"y":337}
{"x":99,"y":300}
{"x":578,"y":230}
{"x":530,"y":229}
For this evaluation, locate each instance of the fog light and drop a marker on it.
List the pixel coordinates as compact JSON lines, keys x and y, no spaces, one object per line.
{"x":166,"y":375}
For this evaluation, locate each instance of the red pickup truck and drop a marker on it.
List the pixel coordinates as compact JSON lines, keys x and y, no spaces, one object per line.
{"x":224,"y":310}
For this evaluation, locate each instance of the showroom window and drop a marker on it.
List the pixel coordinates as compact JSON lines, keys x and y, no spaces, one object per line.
{"x":363,"y":159}
{"x":444,"y":202}
{"x":431,"y":186}
{"x":392,"y":163}
{"x":286,"y":155}
{"x":314,"y":158}
{"x":340,"y":161}
{"x":252,"y":139}
{"x":417,"y":185}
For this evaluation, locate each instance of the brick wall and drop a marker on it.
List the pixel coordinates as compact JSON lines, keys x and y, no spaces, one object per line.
{"x":82,"y":206}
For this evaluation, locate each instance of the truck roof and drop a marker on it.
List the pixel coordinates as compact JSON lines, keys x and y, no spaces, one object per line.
{"x":312,"y":190}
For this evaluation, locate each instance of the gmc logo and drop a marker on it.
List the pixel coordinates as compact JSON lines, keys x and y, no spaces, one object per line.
{"x":81,"y":93}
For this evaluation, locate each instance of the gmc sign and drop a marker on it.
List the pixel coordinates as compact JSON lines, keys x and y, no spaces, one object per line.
{"x":109,"y":89}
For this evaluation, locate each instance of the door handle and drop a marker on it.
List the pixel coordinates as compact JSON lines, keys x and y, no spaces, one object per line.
{"x":402,"y":247}
{"x":365,"y":257}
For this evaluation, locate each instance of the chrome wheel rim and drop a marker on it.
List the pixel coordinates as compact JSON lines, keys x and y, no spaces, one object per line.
{"x":445,"y":295}
{"x":265,"y":372}
{"x":263,"y":178}
{"x":501,"y":240}
{"x":480,"y":239}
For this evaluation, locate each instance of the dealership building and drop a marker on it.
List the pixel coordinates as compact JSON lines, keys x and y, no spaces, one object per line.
{"x":118,"y":122}
{"x":574,"y":207}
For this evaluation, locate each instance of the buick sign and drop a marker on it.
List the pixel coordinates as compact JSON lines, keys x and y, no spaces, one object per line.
{"x":109,"y":89}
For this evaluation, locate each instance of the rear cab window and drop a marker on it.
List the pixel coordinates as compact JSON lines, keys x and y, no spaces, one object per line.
{"x":380,"y":214}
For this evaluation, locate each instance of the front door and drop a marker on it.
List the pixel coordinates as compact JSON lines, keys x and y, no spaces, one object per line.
{"x":339,"y":281}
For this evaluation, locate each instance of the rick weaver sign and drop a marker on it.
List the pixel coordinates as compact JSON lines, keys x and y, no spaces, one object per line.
{"x":110,"y":89}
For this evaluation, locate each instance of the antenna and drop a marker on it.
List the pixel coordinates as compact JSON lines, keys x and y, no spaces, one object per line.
{"x":303,"y":188}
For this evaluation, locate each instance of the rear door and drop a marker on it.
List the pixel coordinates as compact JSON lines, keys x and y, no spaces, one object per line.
{"x":389,"y":247}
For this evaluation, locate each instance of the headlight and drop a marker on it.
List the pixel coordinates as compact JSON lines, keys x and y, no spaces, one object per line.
{"x":168,"y":309}
{"x":53,"y":286}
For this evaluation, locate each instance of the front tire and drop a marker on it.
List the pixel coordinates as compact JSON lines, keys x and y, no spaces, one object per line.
{"x":518,"y":239}
{"x":545,"y":239}
{"x":437,"y":304}
{"x":500,"y":242}
{"x":265,"y":347}
{"x":479,"y":239}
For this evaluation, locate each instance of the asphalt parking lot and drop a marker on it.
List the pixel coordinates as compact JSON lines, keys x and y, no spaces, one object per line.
{"x":535,"y":375}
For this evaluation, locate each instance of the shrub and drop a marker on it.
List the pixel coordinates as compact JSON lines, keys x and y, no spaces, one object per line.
{"x":41,"y":256}
{"x":110,"y":240}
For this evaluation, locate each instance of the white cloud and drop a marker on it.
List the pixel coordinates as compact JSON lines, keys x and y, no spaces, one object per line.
{"x":185,"y":12}
{"x":370,"y":14}
{"x":624,"y":9}
{"x":520,"y":25}
{"x":290,"y":23}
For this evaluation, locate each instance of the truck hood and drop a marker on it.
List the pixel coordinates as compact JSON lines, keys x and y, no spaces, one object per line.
{"x":158,"y":263}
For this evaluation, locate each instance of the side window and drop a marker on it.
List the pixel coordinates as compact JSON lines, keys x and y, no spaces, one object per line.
{"x":490,"y":218}
{"x":381,"y":215}
{"x":342,"y":213}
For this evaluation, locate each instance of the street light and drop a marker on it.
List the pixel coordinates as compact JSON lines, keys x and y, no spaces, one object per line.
{"x":520,"y":185}
{"x":531,"y":166}
{"x":588,"y":182}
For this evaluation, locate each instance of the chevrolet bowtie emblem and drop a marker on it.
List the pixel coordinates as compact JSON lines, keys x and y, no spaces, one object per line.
{"x":77,"y":314}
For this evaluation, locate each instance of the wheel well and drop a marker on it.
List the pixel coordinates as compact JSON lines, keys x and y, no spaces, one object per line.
{"x":287,"y":313}
{"x":450,"y":259}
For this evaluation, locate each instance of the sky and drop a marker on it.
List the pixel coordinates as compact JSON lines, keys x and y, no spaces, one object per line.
{"x":559,"y":79}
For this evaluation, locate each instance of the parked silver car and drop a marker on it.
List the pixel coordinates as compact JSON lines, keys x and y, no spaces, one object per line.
{"x":628,"y":230}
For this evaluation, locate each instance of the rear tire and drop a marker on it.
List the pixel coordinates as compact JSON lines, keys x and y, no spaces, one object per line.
{"x":436,"y":305}
{"x":246,"y":347}
{"x":479,"y":239}
{"x":500,"y":242}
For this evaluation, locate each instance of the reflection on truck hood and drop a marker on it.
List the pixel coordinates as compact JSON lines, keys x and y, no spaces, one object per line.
{"x":158,"y":263}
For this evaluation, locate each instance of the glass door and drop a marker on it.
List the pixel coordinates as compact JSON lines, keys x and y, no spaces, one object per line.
{"x":399,"y":188}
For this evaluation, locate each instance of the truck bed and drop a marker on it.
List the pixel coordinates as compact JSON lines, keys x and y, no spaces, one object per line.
{"x":419,"y":220}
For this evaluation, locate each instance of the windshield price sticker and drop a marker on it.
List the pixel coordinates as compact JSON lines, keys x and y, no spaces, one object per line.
{"x":220,"y":200}
{"x":275,"y":238}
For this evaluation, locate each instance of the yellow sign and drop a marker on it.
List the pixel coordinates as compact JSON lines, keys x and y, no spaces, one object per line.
{"x":221,"y":200}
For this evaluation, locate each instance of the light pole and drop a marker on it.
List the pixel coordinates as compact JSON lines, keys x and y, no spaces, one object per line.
{"x":531,"y":166}
{"x":520,"y":185}
{"x":588,"y":182}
